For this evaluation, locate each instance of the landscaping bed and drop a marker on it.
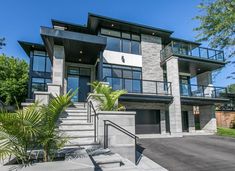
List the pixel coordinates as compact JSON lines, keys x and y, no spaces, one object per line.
{"x":227,"y":132}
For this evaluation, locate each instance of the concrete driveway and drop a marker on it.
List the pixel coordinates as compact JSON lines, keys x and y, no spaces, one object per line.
{"x":191,"y":153}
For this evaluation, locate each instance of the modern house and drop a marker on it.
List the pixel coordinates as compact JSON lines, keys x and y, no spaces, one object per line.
{"x":155,"y":68}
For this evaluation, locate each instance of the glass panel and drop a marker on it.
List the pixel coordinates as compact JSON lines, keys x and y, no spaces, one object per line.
{"x":73,"y":71}
{"x":48,"y":65}
{"x":41,"y":53}
{"x":185,"y":90}
{"x":117,"y":84}
{"x":110,"y":32}
{"x":127,"y":74}
{"x":117,"y":73}
{"x":107,"y":72}
{"x":113,"y":44}
{"x":135,"y":37}
{"x":128,"y":85}
{"x":85,"y":71}
{"x":38,"y":84}
{"x":136,"y":86}
{"x":126,"y":35}
{"x":73,"y":83}
{"x":135,"y":47}
{"x":126,"y":46}
{"x":136,"y":75}
{"x":39,"y":63}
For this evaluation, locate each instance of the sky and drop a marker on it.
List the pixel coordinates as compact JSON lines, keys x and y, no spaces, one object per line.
{"x":21,"y":20}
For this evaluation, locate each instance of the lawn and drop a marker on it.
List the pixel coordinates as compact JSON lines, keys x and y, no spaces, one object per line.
{"x":227,"y":132}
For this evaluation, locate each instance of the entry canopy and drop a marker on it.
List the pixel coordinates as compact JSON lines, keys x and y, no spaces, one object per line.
{"x":79,"y":47}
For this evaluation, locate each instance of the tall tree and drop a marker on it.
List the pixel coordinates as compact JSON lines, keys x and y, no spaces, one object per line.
{"x":2,"y":42}
{"x":217,"y":24}
{"x":13,"y":79}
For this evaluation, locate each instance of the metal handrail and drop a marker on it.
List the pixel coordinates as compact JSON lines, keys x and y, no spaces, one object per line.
{"x":123,"y":130}
{"x":166,"y":85}
{"x":91,"y":106}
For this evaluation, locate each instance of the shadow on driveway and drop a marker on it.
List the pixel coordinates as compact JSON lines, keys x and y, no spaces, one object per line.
{"x":191,"y":153}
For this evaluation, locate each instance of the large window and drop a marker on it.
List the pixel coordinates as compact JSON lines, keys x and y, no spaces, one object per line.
{"x":123,"y":77}
{"x":122,"y":41}
{"x":41,"y":62}
{"x":40,"y":84}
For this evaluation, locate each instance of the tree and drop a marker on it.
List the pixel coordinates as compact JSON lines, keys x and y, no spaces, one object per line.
{"x":13,"y":79}
{"x":2,"y":40}
{"x":231,"y":88}
{"x":217,"y":24}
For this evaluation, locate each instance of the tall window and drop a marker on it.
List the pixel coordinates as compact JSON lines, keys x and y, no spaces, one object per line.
{"x":40,"y":84}
{"x":122,"y":41}
{"x":41,"y":62}
{"x":123,"y":77}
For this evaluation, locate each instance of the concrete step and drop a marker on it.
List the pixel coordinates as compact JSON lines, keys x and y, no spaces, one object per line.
{"x":75,"y":110}
{"x":108,"y":160}
{"x":73,"y":121}
{"x":80,"y":140}
{"x":78,"y":133}
{"x":77,"y":127}
{"x":83,"y":117}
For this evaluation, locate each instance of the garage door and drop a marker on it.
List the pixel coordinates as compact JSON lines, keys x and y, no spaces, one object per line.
{"x":147,"y":122}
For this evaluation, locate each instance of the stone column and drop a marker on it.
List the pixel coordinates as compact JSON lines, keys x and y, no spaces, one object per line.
{"x":175,"y":107}
{"x":163,"y":121}
{"x":205,"y":79}
{"x":207,"y":118}
{"x":191,"y":120}
{"x":58,"y":67}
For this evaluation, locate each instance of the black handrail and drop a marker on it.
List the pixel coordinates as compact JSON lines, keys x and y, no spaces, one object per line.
{"x":114,"y":125}
{"x":91,"y":106}
{"x":166,"y":86}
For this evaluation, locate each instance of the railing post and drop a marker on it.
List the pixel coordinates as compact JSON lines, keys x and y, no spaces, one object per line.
{"x":105,"y":135}
{"x":95,"y":127}
{"x":203,"y":93}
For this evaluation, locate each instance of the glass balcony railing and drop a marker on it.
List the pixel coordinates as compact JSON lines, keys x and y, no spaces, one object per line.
{"x":139,"y":86}
{"x":190,"y":50}
{"x":192,"y":90}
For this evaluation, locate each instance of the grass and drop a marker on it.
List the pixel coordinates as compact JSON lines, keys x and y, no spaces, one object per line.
{"x":227,"y":132}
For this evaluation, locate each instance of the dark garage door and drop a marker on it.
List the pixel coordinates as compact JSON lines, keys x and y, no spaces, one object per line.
{"x":147,"y":122}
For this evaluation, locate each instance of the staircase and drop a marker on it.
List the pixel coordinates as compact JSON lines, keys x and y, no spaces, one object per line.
{"x":74,"y":126}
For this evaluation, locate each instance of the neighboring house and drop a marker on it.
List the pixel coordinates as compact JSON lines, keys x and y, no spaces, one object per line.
{"x":155,"y":68}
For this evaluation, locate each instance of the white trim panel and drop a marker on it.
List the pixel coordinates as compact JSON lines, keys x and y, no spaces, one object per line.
{"x":121,"y":58}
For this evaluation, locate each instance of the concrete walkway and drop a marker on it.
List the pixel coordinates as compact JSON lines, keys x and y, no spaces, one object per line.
{"x":194,"y":153}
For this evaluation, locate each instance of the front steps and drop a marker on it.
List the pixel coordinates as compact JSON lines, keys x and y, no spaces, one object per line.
{"x":74,"y":127}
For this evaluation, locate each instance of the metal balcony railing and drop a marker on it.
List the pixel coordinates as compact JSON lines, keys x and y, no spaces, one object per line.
{"x":189,"y":50}
{"x":139,"y":85}
{"x":193,"y":90}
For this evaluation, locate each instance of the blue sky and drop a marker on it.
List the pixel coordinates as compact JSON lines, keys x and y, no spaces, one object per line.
{"x":21,"y":20}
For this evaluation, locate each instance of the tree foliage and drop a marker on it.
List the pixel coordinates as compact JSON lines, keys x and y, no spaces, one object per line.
{"x":13,"y":79}
{"x":217,"y":24}
{"x":231,"y":88}
{"x":2,"y":42}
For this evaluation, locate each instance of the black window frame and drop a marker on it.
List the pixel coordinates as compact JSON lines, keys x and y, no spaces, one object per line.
{"x":131,"y":39}
{"x":44,"y":83}
{"x":45,"y":63}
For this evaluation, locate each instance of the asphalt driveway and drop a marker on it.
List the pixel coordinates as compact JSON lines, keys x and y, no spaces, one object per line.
{"x":191,"y":153}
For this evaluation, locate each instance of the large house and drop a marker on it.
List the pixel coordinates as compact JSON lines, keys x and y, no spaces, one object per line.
{"x":168,"y":79}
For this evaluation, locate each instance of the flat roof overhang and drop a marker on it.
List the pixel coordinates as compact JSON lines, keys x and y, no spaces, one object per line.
{"x":79,"y":47}
{"x":28,"y":47}
{"x":196,"y":65}
{"x":202,"y":100}
{"x":137,"y":97}
{"x":96,"y":21}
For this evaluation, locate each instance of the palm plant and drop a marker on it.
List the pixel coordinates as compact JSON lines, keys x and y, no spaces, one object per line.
{"x":108,"y":98}
{"x":32,"y":128}
{"x":18,"y":132}
{"x":50,"y":138}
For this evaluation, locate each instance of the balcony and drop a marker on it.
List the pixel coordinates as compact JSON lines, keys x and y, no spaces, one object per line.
{"x":188,"y":50}
{"x":141,"y":90}
{"x":202,"y":95}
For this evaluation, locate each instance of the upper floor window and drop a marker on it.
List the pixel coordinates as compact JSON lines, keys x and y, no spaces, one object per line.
{"x":41,"y":62}
{"x":122,"y":41}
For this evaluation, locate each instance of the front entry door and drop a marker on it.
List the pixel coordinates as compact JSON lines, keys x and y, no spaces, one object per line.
{"x":84,"y":88}
{"x":185,"y":125}
{"x":78,"y":78}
